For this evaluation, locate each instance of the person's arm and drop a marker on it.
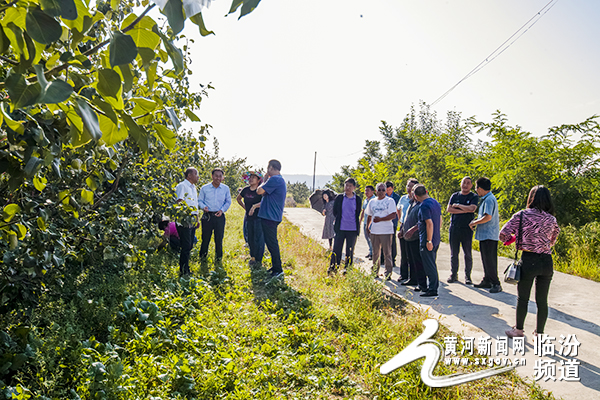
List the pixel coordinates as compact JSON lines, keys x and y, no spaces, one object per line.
{"x":509,"y":229}
{"x":253,"y":208}
{"x":429,"y":226}
{"x":201,"y":200}
{"x":227,"y":202}
{"x":461,"y":208}
{"x":261,"y":189}
{"x":239,"y":200}
{"x":479,"y":221}
{"x":389,"y":217}
{"x":362,"y":214}
{"x":368,"y":224}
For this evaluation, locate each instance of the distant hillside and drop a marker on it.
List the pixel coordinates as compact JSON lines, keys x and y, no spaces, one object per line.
{"x":320,"y":180}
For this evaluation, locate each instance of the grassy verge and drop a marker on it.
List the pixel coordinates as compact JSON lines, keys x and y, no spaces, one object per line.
{"x":228,"y":332}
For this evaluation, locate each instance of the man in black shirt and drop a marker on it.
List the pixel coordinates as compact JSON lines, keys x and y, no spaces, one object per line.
{"x":462,"y":206}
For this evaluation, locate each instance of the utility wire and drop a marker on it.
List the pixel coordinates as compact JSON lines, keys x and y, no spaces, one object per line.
{"x":500,"y":49}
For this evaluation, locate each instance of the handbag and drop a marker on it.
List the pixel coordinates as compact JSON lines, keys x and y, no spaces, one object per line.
{"x":512,"y":273}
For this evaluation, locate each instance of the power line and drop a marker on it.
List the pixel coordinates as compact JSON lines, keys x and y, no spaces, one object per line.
{"x":500,"y":49}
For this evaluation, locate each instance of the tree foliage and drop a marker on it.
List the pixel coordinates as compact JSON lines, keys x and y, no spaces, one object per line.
{"x":92,"y":97}
{"x":440,"y":153}
{"x":299,"y":191}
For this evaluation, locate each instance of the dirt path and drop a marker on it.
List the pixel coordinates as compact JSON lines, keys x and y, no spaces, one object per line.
{"x":574,"y":310}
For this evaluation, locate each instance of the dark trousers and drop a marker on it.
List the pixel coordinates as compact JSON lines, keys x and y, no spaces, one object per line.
{"x":489,"y":258}
{"x":417,"y":272}
{"x":404,"y":263}
{"x":210,"y":224}
{"x":256,"y":239}
{"x":245,"y":229}
{"x":461,"y":237}
{"x":270,"y":234}
{"x":186,"y":242}
{"x":430,"y":267}
{"x":539,"y":268}
{"x":338,"y":244}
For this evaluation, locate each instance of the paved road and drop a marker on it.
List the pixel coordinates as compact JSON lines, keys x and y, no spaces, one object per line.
{"x":574,"y":309}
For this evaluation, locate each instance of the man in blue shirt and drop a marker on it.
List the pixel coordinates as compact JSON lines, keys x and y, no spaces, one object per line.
{"x":214,"y":199}
{"x":402,"y":207}
{"x":488,"y":231}
{"x":430,"y":215}
{"x":273,"y":191}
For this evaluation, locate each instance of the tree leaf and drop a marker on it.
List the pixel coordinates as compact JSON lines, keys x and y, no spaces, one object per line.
{"x":41,"y":27}
{"x":234,"y":5}
{"x":144,"y":38}
{"x":174,"y":53}
{"x":191,"y":115}
{"x":21,"y":231}
{"x":40,"y":183}
{"x":57,"y":92}
{"x":127,"y":76}
{"x":165,"y":135}
{"x":109,"y":83}
{"x":87,"y":196}
{"x":111,"y":132}
{"x":122,"y":49}
{"x":89,"y":118}
{"x":198,"y":20}
{"x":68,"y":9}
{"x":4,"y":41}
{"x":145,"y":104}
{"x":248,"y":7}
{"x":21,"y":94}
{"x":91,"y":182}
{"x":16,"y":126}
{"x":51,"y":7}
{"x":147,"y":55}
{"x":138,"y":133}
{"x":41,"y":224}
{"x":9,"y":212}
{"x":174,"y":12}
{"x":173,"y":117}
{"x":145,"y":23}
{"x":77,"y":22}
{"x":107,"y":109}
{"x":32,"y":166}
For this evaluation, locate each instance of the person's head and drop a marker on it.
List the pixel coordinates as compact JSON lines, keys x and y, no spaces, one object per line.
{"x":381,"y":190}
{"x":327,"y":195}
{"x":466,"y":185}
{"x":162,"y":225}
{"x":191,"y":174}
{"x":254,"y":180}
{"x":389,"y":188}
{"x":540,"y":199}
{"x":369,"y":190}
{"x":420,"y":192}
{"x":349,"y":186}
{"x":482,"y":186}
{"x":409,"y":185}
{"x":217,"y":176}
{"x":274,"y":167}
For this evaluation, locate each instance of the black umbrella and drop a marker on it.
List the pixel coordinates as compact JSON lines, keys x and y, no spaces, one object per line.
{"x":316,"y":199}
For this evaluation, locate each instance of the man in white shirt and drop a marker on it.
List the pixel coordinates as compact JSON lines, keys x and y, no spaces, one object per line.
{"x":214,"y":199}
{"x":380,"y":213}
{"x":186,"y":192}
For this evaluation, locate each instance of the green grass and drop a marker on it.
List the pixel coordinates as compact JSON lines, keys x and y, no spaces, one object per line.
{"x":229,"y":332}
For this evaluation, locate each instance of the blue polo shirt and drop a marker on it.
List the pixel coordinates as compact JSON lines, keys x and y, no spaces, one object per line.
{"x":430,"y":209}
{"x":491,"y":229}
{"x":271,"y":207}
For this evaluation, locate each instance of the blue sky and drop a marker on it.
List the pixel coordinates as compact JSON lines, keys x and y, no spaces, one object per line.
{"x":296,"y":77}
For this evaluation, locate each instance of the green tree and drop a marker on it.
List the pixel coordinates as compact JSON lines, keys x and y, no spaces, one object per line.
{"x":299,"y":191}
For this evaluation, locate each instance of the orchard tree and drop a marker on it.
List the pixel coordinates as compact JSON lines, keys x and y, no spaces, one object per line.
{"x":91,"y":99}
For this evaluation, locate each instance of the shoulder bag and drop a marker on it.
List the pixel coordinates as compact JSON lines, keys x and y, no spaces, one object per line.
{"x":512,"y":273}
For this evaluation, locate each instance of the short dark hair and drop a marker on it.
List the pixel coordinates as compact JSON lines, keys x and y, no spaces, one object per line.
{"x":188,"y":171}
{"x":217,"y":170}
{"x":540,"y":199}
{"x":484,"y":183}
{"x":419,"y":190}
{"x":467,"y":177}
{"x":163,"y":224}
{"x":370,"y":187}
{"x":413,"y":181}
{"x":389,"y":184}
{"x":276,"y":165}
{"x":350,"y":180}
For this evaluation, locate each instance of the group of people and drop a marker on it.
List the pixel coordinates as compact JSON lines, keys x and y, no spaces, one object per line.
{"x":416,"y":219}
{"x":263,"y":200}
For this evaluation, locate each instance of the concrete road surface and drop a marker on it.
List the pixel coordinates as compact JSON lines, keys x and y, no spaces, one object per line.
{"x":574,"y":310}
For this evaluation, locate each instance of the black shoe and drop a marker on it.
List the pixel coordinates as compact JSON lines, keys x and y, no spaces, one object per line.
{"x":419,"y":289}
{"x":429,"y":293}
{"x":496,"y":289}
{"x":408,"y":283}
{"x":276,"y":274}
{"x":468,"y":281}
{"x":483,"y":285}
{"x":452,"y":279}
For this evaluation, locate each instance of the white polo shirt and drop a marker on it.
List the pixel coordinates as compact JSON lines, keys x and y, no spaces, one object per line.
{"x":187,"y":192}
{"x":381,"y":208}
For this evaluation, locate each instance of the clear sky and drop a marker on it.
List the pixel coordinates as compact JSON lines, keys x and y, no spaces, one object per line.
{"x":295,"y":77}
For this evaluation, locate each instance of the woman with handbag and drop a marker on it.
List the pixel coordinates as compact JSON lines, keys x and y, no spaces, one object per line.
{"x":539,"y":232}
